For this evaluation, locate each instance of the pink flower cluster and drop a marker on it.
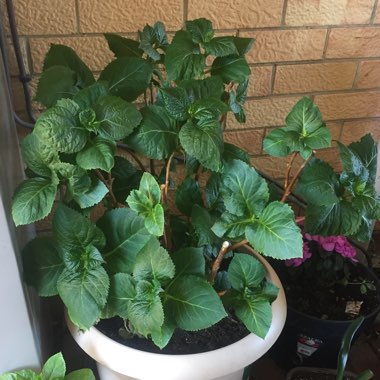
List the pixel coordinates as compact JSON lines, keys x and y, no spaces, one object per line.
{"x":338,"y":244}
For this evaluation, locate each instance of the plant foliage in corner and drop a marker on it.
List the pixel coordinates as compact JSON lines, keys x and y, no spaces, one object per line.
{"x":132,"y":237}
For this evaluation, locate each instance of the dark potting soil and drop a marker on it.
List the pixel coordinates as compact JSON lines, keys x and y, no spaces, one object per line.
{"x":225,"y":332}
{"x":330,"y":303}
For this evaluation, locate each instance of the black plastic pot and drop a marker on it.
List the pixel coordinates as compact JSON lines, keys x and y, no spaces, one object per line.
{"x":313,"y":342}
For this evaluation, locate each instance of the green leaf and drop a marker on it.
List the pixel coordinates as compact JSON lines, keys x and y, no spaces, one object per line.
{"x":92,"y":196}
{"x":221,"y":46}
{"x":275,"y":233}
{"x":232,"y":152}
{"x":243,"y":190}
{"x":153,"y":263}
{"x":204,"y":142}
{"x":123,"y":47}
{"x":77,"y":179}
{"x":162,"y":336}
{"x":97,"y":154}
{"x":245,"y":271}
{"x":193,"y":303}
{"x":56,"y":83}
{"x":176,"y":102}
{"x":202,"y":222}
{"x":85,"y":294}
{"x":117,"y":118}
{"x":54,"y":368}
{"x":187,"y":195}
{"x":231,"y":226}
{"x":73,"y":230}
{"x":210,"y":87}
{"x":243,"y":45}
{"x":213,"y":196}
{"x":231,"y":69}
{"x":182,"y":59}
{"x":128,"y":77}
{"x":90,"y":95}
{"x":189,"y":260}
{"x":60,"y":55}
{"x":200,"y":29}
{"x":318,"y":184}
{"x":25,"y":374}
{"x":278,"y":142}
{"x":157,"y":135}
{"x":37,"y":155}
{"x":256,"y":314}
{"x":42,"y":263}
{"x":33,"y":200}
{"x":150,"y":187}
{"x":80,"y":374}
{"x":122,"y":292}
{"x":125,"y":236}
{"x":204,"y":109}
{"x":152,"y":39}
{"x":60,"y":128}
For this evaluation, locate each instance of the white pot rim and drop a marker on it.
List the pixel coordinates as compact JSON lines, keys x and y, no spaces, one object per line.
{"x":206,"y":365}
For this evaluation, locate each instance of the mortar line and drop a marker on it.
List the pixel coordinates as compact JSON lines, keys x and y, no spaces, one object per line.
{"x":326,"y":43}
{"x":284,"y":10}
{"x":374,"y":11}
{"x":77,"y":13}
{"x":356,"y":77}
{"x":185,"y":11}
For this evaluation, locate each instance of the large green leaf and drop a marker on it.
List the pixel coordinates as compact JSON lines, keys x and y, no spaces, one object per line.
{"x":33,"y":200}
{"x":60,"y":55}
{"x":123,"y":47}
{"x":84,"y":293}
{"x":210,"y":108}
{"x":125,"y":236}
{"x":243,"y":44}
{"x":202,"y":222}
{"x":187,"y":195}
{"x":204,"y":142}
{"x":42,"y":263}
{"x":221,"y":46}
{"x":243,"y":190}
{"x":97,"y":154}
{"x":90,"y":95}
{"x":278,"y":142}
{"x":116,"y":117}
{"x":200,"y":29}
{"x":128,"y":77}
{"x":162,"y":336}
{"x":76,"y":179}
{"x":153,"y":263}
{"x":122,"y":292}
{"x":318,"y":184}
{"x":183,"y":58}
{"x":54,"y":368}
{"x":80,"y":374}
{"x":193,"y":303}
{"x":245,"y":271}
{"x":60,"y":128}
{"x":157,"y":135}
{"x":210,"y":87}
{"x":233,"y":152}
{"x":231,"y":69}
{"x":275,"y":232}
{"x":152,"y":39}
{"x":37,"y":155}
{"x":231,"y":226}
{"x":56,"y":83}
{"x":24,"y":374}
{"x":176,"y":102}
{"x":189,"y":260}
{"x":73,"y":230}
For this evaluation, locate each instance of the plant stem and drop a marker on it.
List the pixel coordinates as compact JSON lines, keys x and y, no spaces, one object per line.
{"x":134,"y":156}
{"x":108,"y":184}
{"x":289,"y":188}
{"x":289,"y":168}
{"x":152,"y":167}
{"x":167,"y":174}
{"x":226,"y":247}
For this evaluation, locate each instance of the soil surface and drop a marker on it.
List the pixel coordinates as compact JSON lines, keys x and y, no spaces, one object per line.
{"x":227,"y":331}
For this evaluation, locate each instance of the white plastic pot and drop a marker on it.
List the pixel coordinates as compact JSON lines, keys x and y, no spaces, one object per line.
{"x":119,"y":362}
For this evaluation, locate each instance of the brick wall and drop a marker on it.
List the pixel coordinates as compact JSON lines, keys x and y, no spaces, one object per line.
{"x":326,"y":49}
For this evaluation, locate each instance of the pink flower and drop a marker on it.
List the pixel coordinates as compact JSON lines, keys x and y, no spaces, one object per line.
{"x":306,"y":254}
{"x":328,"y":243}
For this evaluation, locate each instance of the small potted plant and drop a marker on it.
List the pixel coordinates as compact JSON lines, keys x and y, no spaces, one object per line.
{"x":53,"y":369}
{"x":328,"y":286}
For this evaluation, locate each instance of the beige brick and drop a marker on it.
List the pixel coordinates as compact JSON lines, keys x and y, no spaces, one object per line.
{"x":250,"y":141}
{"x":354,"y":130}
{"x":327,"y":12}
{"x":369,"y":74}
{"x":4,"y":17}
{"x":93,"y":51}
{"x":335,"y":129}
{"x":13,"y":66}
{"x":45,"y":16}
{"x":331,"y":156}
{"x":230,"y":14}
{"x":354,"y":42}
{"x":286,"y":45}
{"x":99,"y":16}
{"x":349,"y":106}
{"x":268,"y":112}
{"x":17,"y":95}
{"x":314,"y":77}
{"x":260,"y":81}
